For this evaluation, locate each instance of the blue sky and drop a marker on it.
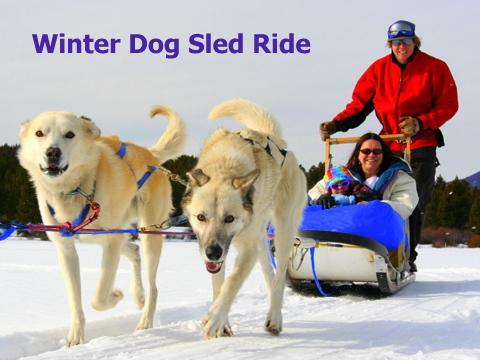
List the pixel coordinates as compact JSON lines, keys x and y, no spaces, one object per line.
{"x":303,"y":88}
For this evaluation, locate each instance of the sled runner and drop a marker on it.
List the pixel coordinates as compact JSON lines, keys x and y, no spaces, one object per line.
{"x":350,"y":245}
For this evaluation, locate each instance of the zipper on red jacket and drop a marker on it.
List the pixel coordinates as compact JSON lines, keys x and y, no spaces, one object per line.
{"x":399,"y":92}
{"x":397,"y":105}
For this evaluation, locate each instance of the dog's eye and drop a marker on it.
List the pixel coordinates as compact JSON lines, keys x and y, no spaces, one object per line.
{"x":201,"y":217}
{"x":39,"y":133}
{"x":229,"y":219}
{"x":69,"y":135}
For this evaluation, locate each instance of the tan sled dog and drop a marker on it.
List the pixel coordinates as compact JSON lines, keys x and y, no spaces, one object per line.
{"x":243,"y":181}
{"x":65,"y":157}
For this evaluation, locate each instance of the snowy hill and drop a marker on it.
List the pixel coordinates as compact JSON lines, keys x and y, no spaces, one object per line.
{"x":436,"y":317}
{"x":473,"y":180}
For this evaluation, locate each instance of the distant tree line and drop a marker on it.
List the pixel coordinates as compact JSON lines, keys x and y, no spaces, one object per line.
{"x":453,"y":216}
{"x":18,"y":201}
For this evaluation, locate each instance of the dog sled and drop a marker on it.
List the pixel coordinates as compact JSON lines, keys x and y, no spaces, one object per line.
{"x":355,"y":246}
{"x":350,"y":245}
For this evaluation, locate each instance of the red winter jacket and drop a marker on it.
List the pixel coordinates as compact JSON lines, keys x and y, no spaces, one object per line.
{"x":424,"y":89}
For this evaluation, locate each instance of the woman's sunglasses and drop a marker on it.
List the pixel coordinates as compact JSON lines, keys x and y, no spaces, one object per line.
{"x":369,"y":151}
{"x":344,"y":183}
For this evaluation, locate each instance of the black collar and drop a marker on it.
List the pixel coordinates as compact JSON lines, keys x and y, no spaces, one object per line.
{"x":410,"y":59}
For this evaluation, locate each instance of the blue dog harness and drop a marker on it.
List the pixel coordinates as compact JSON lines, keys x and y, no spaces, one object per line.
{"x":83,"y":214}
{"x":121,"y":153}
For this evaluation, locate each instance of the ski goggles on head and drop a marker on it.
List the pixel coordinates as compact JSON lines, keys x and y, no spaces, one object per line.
{"x":344,"y":183}
{"x":369,"y":151}
{"x":403,"y":41}
{"x":398,"y":28}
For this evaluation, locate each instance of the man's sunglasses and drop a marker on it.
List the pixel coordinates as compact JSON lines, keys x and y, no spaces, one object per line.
{"x":404,"y":41}
{"x":369,"y":151}
{"x":344,"y":183}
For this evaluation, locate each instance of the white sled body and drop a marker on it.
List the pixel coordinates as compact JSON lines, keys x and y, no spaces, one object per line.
{"x":340,"y":257}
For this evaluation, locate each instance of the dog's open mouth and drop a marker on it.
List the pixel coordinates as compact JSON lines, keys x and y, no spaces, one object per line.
{"x":54,"y":170}
{"x":213,"y":267}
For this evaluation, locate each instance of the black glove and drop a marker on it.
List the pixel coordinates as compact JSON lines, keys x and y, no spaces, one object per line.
{"x":364,"y":193}
{"x":326,"y":200}
{"x":326,"y":129}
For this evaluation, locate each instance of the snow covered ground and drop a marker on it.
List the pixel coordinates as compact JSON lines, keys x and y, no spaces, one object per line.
{"x":436,"y":317}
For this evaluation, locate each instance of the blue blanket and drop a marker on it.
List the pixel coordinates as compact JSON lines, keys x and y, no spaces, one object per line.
{"x":375,"y":220}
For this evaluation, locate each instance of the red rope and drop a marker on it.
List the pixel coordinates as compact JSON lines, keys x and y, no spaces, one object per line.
{"x":58,"y":228}
{"x":69,"y":226}
{"x":94,"y":216}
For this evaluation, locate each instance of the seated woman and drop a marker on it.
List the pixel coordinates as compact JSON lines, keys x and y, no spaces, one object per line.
{"x":372,"y":163}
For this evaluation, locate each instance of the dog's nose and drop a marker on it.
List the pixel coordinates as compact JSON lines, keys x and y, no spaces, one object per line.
{"x":53,"y":154}
{"x":214,"y":252}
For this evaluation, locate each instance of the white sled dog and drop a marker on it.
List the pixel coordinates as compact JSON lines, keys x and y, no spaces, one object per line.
{"x":68,"y":161}
{"x":243,"y":181}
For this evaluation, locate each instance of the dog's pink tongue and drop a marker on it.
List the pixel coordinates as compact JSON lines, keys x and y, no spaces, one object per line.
{"x":213,"y":266}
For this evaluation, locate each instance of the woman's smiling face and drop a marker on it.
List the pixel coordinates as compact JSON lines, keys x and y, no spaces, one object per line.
{"x":370,"y":163}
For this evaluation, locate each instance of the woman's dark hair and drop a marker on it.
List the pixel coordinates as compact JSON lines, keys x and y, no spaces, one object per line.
{"x":354,"y":164}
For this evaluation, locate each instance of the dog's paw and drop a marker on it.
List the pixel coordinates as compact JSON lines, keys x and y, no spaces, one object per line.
{"x":273,"y":328}
{"x":139,"y":299}
{"x":101,"y":304}
{"x":115,"y":296}
{"x":144,"y":325}
{"x":75,"y":337}
{"x":140,"y":302}
{"x":210,"y":331}
{"x":146,"y":321}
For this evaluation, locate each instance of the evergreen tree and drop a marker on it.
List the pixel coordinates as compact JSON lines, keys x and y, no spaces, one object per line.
{"x":18,"y":199}
{"x":315,"y":174}
{"x":8,"y":165}
{"x":474,"y":215}
{"x":435,"y":212}
{"x":27,"y":210}
{"x":457,"y":203}
{"x":440,"y":182}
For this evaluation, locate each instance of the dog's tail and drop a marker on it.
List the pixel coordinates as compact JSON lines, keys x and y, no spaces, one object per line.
{"x":252,"y":115}
{"x":173,"y":140}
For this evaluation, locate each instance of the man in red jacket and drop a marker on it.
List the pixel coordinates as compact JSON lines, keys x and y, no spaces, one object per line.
{"x":412,"y":93}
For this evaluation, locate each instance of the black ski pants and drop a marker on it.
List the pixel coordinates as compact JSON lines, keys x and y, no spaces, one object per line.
{"x":423,"y":162}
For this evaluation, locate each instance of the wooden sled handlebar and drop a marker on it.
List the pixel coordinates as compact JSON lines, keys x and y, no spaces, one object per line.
{"x":350,"y":140}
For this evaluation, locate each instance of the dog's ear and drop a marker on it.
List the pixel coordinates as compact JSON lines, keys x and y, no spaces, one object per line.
{"x":90,"y":127}
{"x":24,"y":129}
{"x":196,"y":177}
{"x":246,"y":182}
